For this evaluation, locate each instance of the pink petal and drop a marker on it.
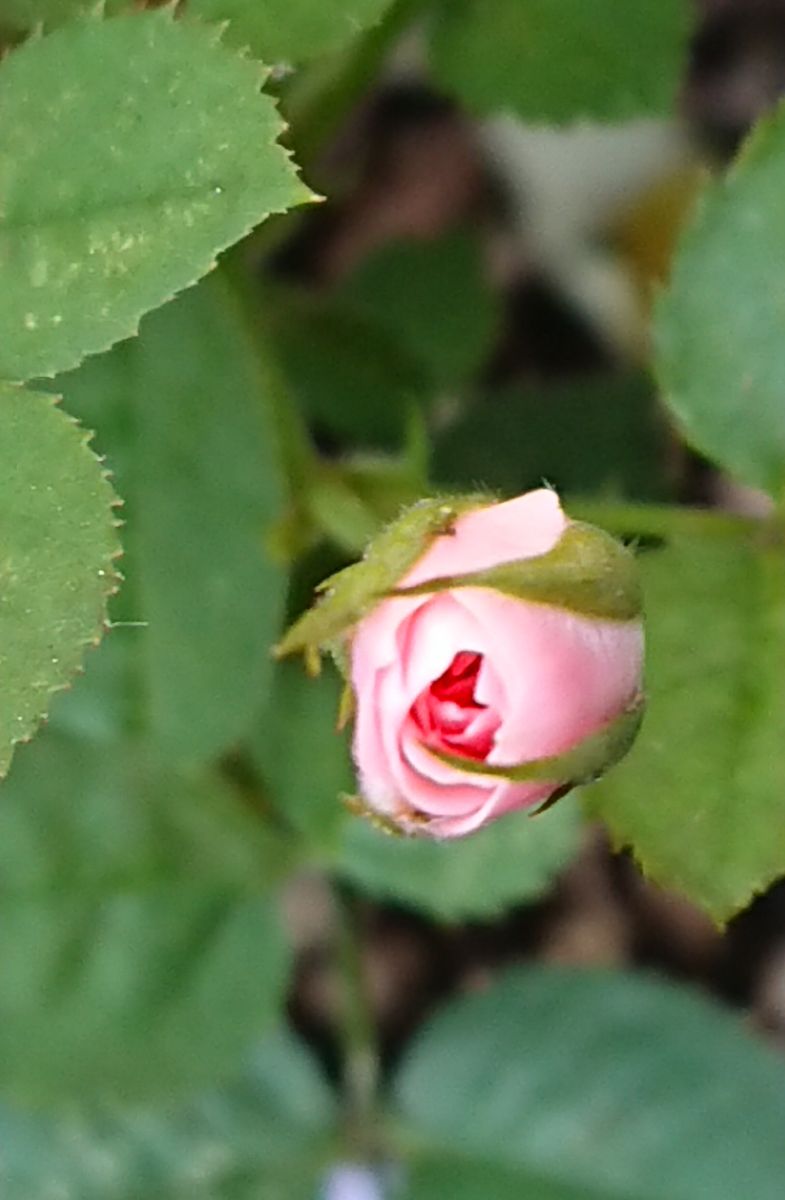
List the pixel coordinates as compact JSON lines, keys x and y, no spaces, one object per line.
{"x":388,"y":779}
{"x":503,"y":798}
{"x":520,"y":528}
{"x":565,"y":676}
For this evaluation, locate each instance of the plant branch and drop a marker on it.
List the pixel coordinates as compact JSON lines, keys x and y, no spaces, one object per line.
{"x":663,"y":520}
{"x":360,"y":1048}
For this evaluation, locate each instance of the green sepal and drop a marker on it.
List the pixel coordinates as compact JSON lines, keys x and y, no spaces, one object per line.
{"x":359,"y":808}
{"x":347,"y":596}
{"x":346,"y":707}
{"x":582,"y":764}
{"x":587,"y":572}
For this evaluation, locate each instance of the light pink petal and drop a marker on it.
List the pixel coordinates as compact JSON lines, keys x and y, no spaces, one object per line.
{"x":485,"y":722}
{"x":430,"y":767}
{"x":565,"y":676}
{"x":503,"y":798}
{"x":387,"y":779}
{"x":438,"y":631}
{"x":377,"y":781}
{"x":425,"y":640}
{"x":377,"y":639}
{"x":490,"y":688}
{"x":520,"y":528}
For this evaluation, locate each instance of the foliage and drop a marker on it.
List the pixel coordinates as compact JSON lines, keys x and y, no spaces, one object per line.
{"x":201,"y":478}
{"x":58,"y":551}
{"x":133,"y":150}
{"x":241,"y":436}
{"x":715,"y":720}
{"x":263,"y":1133}
{"x":622,"y":1082}
{"x":560,"y":63}
{"x":719,"y":338}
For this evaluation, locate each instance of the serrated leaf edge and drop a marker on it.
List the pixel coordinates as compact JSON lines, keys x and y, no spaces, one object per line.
{"x":112,"y":582}
{"x":214,"y":38}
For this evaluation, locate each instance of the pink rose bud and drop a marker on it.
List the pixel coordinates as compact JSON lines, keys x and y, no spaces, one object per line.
{"x":494,"y":658}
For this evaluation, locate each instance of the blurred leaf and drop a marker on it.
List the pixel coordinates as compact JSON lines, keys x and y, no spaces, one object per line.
{"x":338,"y":511}
{"x":352,"y":380}
{"x":131,"y":151}
{"x":274,"y":30}
{"x":461,"y":1178}
{"x":258,"y":1138}
{"x":602,"y":435}
{"x":388,"y":484}
{"x":615,"y":1084}
{"x":184,"y":415}
{"x":552,"y":62}
{"x":353,"y":499}
{"x":304,"y":761}
{"x":433,"y":299}
{"x":56,"y":557}
{"x":291,"y":30}
{"x":25,"y":14}
{"x":719,"y":328}
{"x":136,"y":921}
{"x":699,"y":798}
{"x":513,"y":861}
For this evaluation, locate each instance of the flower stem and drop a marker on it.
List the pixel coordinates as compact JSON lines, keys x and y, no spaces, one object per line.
{"x":360,"y":1046}
{"x":663,"y":520}
{"x":318,"y":99}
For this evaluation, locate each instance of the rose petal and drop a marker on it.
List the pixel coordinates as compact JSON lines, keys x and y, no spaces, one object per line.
{"x":377,"y":641}
{"x":565,"y":675}
{"x":520,"y":528}
{"x":387,"y":778}
{"x":502,"y":799}
{"x":439,"y":630}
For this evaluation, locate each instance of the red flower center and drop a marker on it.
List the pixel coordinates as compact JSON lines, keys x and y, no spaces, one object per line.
{"x":448,"y":715}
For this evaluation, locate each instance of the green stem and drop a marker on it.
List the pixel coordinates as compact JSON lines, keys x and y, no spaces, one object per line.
{"x":318,"y":99}
{"x":663,"y":520}
{"x":360,"y":1049}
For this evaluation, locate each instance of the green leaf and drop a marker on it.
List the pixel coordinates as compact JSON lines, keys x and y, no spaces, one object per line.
{"x":291,"y":30}
{"x":700,"y":798}
{"x":718,"y":331}
{"x":136,"y":910}
{"x":304,"y":761}
{"x":26,"y":14}
{"x":260,"y":1136}
{"x":353,"y":381}
{"x":132,"y":150}
{"x":511,"y":862}
{"x":136,"y":916}
{"x":609,"y":60}
{"x":432,"y":297}
{"x":57,"y":547}
{"x":185,"y":417}
{"x":602,"y":436}
{"x":274,"y":30}
{"x":609,"y":1083}
{"x":436,"y":1176}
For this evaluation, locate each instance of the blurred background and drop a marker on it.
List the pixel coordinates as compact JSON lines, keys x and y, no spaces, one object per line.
{"x":469,"y":304}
